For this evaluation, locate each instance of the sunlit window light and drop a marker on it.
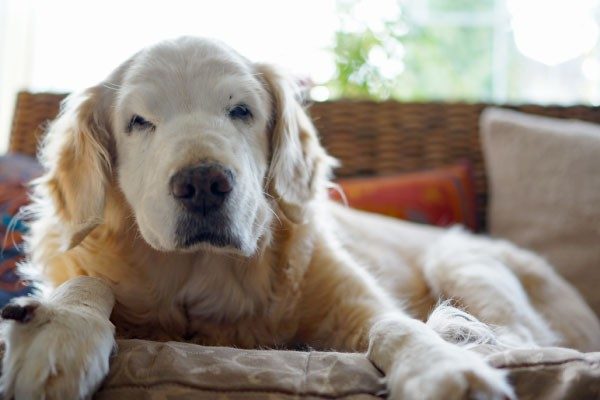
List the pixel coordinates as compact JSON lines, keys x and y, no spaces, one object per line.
{"x":319,"y":93}
{"x":552,"y":32}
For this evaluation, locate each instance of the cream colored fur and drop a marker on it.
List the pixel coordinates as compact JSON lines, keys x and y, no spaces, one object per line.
{"x":305,"y":271}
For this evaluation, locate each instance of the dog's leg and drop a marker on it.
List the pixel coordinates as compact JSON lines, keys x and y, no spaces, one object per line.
{"x":420,"y":365}
{"x":472,"y":271}
{"x":345,"y":309}
{"x":58,"y":348}
{"x":561,"y":306}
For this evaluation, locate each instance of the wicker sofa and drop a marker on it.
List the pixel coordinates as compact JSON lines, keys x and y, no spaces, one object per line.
{"x":370,"y":139}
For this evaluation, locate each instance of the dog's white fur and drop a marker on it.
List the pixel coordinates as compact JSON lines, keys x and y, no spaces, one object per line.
{"x":300,"y":270}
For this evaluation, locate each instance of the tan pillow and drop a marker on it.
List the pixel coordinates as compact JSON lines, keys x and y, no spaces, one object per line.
{"x":544,"y":179}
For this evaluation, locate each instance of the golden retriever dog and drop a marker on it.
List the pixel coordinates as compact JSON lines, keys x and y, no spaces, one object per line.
{"x":185,"y":199}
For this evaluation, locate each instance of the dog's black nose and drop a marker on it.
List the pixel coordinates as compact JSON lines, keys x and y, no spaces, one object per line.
{"x":202,"y":188}
{"x":19,"y":313}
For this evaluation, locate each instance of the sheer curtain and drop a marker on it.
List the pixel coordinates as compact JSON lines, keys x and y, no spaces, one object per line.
{"x":15,"y":58}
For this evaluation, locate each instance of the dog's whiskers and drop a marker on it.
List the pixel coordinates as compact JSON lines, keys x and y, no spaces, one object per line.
{"x":276,"y":216}
{"x":112,"y":86}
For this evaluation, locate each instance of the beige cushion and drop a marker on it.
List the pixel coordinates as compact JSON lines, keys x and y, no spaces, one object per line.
{"x":544,"y":178}
{"x":144,"y":369}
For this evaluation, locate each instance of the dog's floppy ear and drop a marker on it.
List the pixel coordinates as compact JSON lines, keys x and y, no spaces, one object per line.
{"x":299,"y":166}
{"x":77,"y":154}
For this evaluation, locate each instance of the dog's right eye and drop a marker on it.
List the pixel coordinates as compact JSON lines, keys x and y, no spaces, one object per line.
{"x":139,"y":123}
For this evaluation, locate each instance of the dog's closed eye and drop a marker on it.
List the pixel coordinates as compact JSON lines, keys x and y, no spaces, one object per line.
{"x":139,"y":123}
{"x":240,"y":112}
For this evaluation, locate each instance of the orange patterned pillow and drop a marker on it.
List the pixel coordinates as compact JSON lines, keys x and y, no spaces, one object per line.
{"x":442,"y":196}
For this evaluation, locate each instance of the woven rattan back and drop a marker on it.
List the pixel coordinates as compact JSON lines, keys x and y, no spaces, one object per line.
{"x":370,"y":138}
{"x":373,"y":138}
{"x":32,"y":113}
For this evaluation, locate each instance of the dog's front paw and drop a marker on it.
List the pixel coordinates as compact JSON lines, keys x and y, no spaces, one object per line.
{"x":463,"y":376}
{"x":54,"y":351}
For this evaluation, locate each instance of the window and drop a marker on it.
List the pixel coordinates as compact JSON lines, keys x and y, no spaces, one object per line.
{"x":412,"y":50}
{"x":470,"y":50}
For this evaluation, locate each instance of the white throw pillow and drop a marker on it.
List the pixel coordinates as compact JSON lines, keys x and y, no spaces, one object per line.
{"x":544,"y":181}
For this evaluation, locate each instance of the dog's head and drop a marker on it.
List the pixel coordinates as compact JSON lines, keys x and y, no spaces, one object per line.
{"x":202,"y":143}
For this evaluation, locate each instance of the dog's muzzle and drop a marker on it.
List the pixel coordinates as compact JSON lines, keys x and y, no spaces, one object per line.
{"x":203,"y":190}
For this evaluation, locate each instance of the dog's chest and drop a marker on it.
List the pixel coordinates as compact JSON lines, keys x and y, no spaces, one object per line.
{"x":206,"y":321}
{"x":239,"y":313}
{"x":211,"y":303}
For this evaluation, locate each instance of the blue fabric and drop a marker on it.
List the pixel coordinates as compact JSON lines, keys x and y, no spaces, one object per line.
{"x":15,"y":172}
